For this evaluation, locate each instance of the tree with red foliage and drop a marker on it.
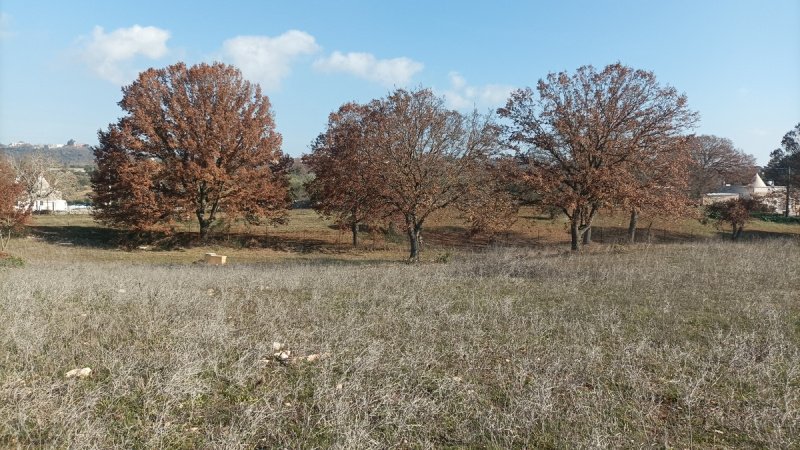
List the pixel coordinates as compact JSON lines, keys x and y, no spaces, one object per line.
{"x":405,"y":157}
{"x":657,"y":184}
{"x":344,"y":186}
{"x":735,"y":212}
{"x":490,"y":206}
{"x":426,"y":158}
{"x":12,"y":217}
{"x":196,"y":140}
{"x":581,"y":135}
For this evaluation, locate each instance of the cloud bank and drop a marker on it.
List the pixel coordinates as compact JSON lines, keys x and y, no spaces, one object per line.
{"x":268,"y":60}
{"x":106,"y":54}
{"x":388,"y":72}
{"x":461,"y":95}
{"x":5,"y":25}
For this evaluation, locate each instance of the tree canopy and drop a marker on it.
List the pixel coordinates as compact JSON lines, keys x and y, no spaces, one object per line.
{"x":41,"y":177}
{"x":404,"y":157}
{"x":196,"y":140}
{"x":427,"y":158}
{"x":12,"y":217}
{"x":344,"y":186}
{"x":657,"y":183}
{"x":587,"y":138}
{"x":784,"y":162}
{"x":735,"y":212}
{"x":715,"y":161}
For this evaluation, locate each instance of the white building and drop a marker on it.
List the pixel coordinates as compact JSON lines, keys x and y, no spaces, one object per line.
{"x":774,"y":196}
{"x":45,"y":199}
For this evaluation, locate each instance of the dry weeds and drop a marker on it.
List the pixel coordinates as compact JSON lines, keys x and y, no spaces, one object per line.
{"x":690,"y":345}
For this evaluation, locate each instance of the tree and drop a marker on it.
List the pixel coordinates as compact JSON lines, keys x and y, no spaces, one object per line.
{"x":581,"y":136}
{"x":784,"y":164}
{"x":345,"y":186}
{"x":715,"y":160}
{"x":12,"y":216}
{"x":421,"y":158}
{"x":735,"y":212}
{"x":41,"y":178}
{"x":195,"y":140}
{"x":657,"y":184}
{"x":405,"y":157}
{"x":491,"y":205}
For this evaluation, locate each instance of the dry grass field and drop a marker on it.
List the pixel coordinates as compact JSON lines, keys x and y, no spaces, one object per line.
{"x":307,"y":237}
{"x":687,"y":342}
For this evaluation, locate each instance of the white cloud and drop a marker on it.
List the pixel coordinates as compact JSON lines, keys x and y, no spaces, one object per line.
{"x":389,"y":72}
{"x":268,"y":59}
{"x":107,"y":53}
{"x":457,"y":81}
{"x":5,"y":25}
{"x":461,"y":95}
{"x":495,"y":94}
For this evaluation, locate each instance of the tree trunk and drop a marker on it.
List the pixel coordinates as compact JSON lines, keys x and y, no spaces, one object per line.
{"x":587,"y":236}
{"x":581,"y":227}
{"x":414,"y":242}
{"x":354,"y":229}
{"x":737,"y":232}
{"x":786,"y":212}
{"x":632,"y":226}
{"x":575,"y":234}
{"x":4,"y":241}
{"x":205,"y":226}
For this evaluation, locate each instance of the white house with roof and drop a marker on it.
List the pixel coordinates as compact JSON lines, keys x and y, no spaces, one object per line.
{"x":45,"y":199}
{"x":774,"y":196}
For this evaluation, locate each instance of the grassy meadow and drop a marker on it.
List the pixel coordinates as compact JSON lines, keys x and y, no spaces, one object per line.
{"x":684,"y":340}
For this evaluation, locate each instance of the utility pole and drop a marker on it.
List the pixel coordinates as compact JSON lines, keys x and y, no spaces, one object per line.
{"x":788,"y":186}
{"x":786,"y":209}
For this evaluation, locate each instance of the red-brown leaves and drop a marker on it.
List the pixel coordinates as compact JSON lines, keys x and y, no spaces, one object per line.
{"x":344,"y":184}
{"x":406,"y":156}
{"x":590,"y":139}
{"x":735,"y":212}
{"x":428,"y":158}
{"x":11,"y":216}
{"x":197,"y":141}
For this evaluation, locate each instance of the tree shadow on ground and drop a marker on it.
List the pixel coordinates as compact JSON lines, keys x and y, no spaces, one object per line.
{"x":453,"y":237}
{"x":461,"y":238}
{"x":93,"y":236}
{"x":619,"y":235}
{"x":754,"y":235}
{"x":108,"y":238}
{"x":271,"y":242}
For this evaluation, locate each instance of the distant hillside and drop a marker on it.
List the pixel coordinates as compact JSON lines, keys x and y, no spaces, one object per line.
{"x":67,"y":155}
{"x":72,"y":155}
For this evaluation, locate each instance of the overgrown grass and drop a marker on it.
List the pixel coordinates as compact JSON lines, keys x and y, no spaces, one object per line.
{"x":307,"y":236}
{"x":688,"y":345}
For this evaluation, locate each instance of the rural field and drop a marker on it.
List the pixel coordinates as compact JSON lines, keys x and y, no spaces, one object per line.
{"x":688,"y":341}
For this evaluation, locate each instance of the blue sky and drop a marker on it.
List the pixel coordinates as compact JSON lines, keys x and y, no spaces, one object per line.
{"x":62,"y":64}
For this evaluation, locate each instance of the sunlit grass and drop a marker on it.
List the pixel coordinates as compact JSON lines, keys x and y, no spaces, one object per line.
{"x":673,"y":346}
{"x":307,"y":236}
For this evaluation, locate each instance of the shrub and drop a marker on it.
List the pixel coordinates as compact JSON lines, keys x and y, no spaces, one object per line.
{"x":9,"y":261}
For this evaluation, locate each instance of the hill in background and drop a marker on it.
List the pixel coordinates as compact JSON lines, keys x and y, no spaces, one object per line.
{"x":68,"y":155}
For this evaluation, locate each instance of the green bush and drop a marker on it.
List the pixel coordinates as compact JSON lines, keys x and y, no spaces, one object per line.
{"x":777,"y":218}
{"x":8,"y":261}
